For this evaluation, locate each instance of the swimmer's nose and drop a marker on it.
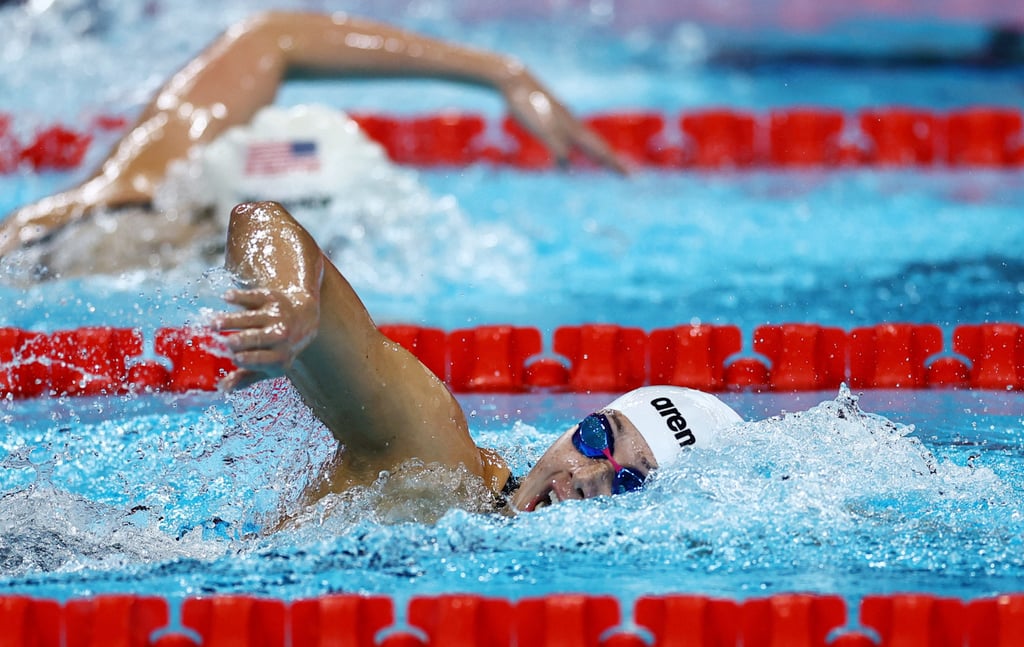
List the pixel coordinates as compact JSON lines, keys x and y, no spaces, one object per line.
{"x":593,"y":479}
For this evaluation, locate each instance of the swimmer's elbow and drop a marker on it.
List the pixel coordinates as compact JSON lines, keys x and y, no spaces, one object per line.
{"x":250,"y":221}
{"x":268,"y":21}
{"x":271,"y":226}
{"x":256,"y":22}
{"x":253,"y":216}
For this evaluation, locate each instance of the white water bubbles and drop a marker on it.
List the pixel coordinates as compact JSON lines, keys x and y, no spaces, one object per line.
{"x":811,"y":500}
{"x":64,"y":510}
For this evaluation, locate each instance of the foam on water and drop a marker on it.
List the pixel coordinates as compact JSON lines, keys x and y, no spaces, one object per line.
{"x":44,"y":529}
{"x":830,"y":499}
{"x":652,"y":250}
{"x":812,"y":500}
{"x":399,"y":244}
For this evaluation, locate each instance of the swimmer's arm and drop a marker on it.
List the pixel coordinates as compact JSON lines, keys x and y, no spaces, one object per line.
{"x":340,"y":44}
{"x":302,"y":319}
{"x":240,"y":72}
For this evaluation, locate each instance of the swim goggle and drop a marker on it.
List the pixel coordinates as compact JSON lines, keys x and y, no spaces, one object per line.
{"x":593,"y":439}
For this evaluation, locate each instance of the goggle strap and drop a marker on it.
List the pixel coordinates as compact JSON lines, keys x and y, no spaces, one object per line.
{"x":611,"y":459}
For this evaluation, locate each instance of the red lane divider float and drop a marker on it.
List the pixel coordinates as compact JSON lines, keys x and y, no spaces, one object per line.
{"x":56,"y":149}
{"x":916,"y":620}
{"x":590,"y":358}
{"x":901,"y":137}
{"x":464,"y":620}
{"x":807,"y":137}
{"x":633,"y":135}
{"x":997,"y":359}
{"x":716,"y":139}
{"x":892,"y":355}
{"x":983,"y":137}
{"x":490,"y":358}
{"x":701,"y":139}
{"x":696,"y":356}
{"x":95,"y":621}
{"x":603,"y":357}
{"x":108,"y":361}
{"x":804,"y":357}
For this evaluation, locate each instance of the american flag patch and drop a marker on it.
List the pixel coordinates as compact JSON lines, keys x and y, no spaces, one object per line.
{"x":274,"y":158}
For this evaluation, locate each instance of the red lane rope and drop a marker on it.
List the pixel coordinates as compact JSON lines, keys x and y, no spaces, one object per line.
{"x":478,"y":621}
{"x":588,"y":358}
{"x":702,"y":139}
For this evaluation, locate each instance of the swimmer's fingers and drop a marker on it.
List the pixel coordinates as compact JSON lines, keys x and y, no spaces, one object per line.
{"x":249,"y":299}
{"x":260,"y":351}
{"x":595,"y":147}
{"x":243,"y":320}
{"x":262,"y":309}
{"x":240,"y":379}
{"x":545,"y":116}
{"x":267,"y":350}
{"x":275,"y":323}
{"x":272,"y":362}
{"x":558,"y":129}
{"x":268,"y":338}
{"x":254,"y":366}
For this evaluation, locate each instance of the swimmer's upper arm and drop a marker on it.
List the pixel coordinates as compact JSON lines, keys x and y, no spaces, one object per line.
{"x":377,"y":399}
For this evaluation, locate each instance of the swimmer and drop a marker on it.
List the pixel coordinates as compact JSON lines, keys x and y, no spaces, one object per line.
{"x":300,"y":318}
{"x":239,"y":73}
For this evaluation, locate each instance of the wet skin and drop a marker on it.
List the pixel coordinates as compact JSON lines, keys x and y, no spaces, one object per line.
{"x":241,"y":71}
{"x":563,"y":473}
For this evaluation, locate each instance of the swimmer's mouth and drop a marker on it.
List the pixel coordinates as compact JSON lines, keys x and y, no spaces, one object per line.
{"x":543,"y":500}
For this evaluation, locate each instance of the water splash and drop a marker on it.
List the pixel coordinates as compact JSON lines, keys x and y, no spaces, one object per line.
{"x":808,"y":500}
{"x":832,"y":499}
{"x":45,"y":526}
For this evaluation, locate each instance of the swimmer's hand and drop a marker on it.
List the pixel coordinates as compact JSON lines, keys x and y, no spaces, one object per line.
{"x":543,"y":115}
{"x":35,"y":221}
{"x":31,"y":223}
{"x":9,"y":240}
{"x":268,"y":334}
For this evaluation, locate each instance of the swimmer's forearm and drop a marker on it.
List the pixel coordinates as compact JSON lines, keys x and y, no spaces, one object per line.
{"x":338,"y":43}
{"x":281,"y":329}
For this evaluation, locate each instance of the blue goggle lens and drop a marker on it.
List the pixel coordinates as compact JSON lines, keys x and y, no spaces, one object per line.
{"x":593,"y":438}
{"x":627,"y":480}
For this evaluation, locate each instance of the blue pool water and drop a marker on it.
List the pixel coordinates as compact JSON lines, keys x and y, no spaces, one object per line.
{"x":159,"y":494}
{"x":174,"y":494}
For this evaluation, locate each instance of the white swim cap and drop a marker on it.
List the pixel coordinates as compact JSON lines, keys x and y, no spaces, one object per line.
{"x":310,"y":158}
{"x":673,"y":417}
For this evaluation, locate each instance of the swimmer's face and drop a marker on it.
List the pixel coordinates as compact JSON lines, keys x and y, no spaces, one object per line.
{"x":564,"y":473}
